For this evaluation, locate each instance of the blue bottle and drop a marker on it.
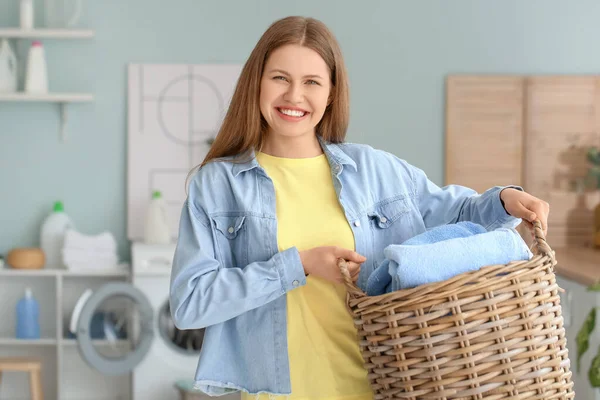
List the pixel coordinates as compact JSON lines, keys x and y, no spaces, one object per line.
{"x":28,"y":313}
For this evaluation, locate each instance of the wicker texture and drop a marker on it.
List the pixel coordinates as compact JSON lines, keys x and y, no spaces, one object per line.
{"x":496,"y":333}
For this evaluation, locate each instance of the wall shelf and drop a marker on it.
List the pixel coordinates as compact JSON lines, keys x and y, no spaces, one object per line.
{"x":47,"y":97}
{"x":18,"y":33}
{"x":61,"y":98}
{"x":28,"y":342}
{"x":98,"y":342}
{"x":116,"y":273}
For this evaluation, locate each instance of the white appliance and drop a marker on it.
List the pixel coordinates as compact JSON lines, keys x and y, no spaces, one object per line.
{"x":157,"y":354}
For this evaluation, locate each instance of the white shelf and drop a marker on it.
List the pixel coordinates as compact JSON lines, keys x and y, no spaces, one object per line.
{"x":27,"y":342}
{"x":61,"y":98}
{"x":100,"y":273}
{"x":54,"y":342}
{"x":18,"y":33}
{"x":63,"y":272}
{"x":48,"y":98}
{"x":142,"y":273}
{"x":97,"y":342}
{"x":57,"y":291}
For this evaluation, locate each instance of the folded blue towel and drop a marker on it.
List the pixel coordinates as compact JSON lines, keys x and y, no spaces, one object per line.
{"x":442,"y":253}
{"x":380,"y":280}
{"x":445,"y":232}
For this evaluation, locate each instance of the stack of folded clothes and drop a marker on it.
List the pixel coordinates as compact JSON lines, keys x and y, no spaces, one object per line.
{"x":442,"y":253}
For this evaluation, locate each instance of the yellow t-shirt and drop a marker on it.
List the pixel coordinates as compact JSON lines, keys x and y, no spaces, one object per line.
{"x":325,"y":360}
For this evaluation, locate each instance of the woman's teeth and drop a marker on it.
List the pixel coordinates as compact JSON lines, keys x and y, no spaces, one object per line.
{"x":292,"y":113}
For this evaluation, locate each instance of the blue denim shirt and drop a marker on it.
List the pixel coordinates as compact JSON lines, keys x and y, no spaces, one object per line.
{"x":229,"y":276}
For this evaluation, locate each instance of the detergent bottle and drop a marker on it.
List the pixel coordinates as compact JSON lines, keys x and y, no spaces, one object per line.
{"x":36,"y":76}
{"x":52,"y":235}
{"x":28,"y":314}
{"x":157,"y":229}
{"x":8,"y":68}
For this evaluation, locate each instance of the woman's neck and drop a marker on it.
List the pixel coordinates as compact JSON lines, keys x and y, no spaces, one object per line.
{"x":292,"y":147}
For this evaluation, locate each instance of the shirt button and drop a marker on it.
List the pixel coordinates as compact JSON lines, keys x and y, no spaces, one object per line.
{"x":383,"y":219}
{"x":295,"y":283}
{"x":230,"y":230}
{"x":357,"y":223}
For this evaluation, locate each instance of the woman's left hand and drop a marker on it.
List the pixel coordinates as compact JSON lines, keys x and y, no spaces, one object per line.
{"x":523,"y":205}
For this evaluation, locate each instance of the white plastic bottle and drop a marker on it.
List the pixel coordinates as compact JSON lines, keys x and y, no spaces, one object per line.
{"x":156,"y":230}
{"x":36,"y":78}
{"x":52,"y":237}
{"x":8,"y":68}
{"x":26,"y":14}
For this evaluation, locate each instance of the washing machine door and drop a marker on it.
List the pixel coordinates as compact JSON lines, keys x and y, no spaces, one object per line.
{"x":115,"y":328}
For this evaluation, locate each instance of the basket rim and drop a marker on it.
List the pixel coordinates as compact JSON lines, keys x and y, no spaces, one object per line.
{"x":500,"y":275}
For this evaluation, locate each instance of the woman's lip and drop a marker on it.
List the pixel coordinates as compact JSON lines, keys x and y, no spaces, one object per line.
{"x":289,"y":117}
{"x":291,"y":108}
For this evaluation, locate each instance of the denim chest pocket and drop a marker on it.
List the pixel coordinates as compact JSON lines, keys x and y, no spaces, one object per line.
{"x":390,"y":223}
{"x":231,"y":240}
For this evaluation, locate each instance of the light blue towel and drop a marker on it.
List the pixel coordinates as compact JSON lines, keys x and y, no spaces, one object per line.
{"x":380,"y":280}
{"x":445,"y":232}
{"x":442,"y":253}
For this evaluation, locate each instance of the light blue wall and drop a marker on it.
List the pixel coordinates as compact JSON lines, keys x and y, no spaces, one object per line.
{"x":398,"y":53}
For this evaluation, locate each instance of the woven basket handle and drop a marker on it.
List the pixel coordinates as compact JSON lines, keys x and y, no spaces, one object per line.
{"x":540,"y":239}
{"x":353,"y":290}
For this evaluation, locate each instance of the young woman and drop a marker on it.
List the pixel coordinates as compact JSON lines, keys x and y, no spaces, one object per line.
{"x":277,"y":201}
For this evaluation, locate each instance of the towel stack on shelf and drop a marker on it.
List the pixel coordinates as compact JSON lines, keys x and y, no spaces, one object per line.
{"x":90,"y":252}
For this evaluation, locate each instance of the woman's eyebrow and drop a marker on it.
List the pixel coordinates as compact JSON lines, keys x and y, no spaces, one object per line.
{"x":286,"y":73}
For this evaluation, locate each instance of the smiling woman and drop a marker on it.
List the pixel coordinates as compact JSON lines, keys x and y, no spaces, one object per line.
{"x":277,"y":201}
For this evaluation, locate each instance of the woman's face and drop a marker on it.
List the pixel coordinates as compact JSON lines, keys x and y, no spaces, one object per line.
{"x":294,"y":91}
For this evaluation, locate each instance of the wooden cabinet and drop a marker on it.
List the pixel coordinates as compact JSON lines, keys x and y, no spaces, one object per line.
{"x":484,"y":131}
{"x":529,"y":131}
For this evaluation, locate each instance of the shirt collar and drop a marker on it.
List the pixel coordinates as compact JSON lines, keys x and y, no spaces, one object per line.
{"x":239,"y":167}
{"x":335,"y":155}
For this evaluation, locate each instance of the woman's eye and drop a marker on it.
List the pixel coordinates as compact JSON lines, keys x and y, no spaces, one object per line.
{"x":311,"y":82}
{"x":280,"y":78}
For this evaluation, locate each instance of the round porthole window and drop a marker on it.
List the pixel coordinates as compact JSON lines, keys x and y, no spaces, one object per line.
{"x":114,"y":329}
{"x":187,"y":341}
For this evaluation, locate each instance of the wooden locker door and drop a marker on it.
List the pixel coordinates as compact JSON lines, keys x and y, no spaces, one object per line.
{"x":562,"y":119}
{"x":484,"y":131}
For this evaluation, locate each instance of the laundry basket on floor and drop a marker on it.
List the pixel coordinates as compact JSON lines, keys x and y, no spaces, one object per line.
{"x":496,"y":333}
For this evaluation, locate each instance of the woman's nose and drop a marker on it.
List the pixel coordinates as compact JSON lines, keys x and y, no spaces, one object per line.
{"x":294,"y":93}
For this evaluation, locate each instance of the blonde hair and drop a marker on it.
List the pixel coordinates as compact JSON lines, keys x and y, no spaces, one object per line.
{"x":243,"y":128}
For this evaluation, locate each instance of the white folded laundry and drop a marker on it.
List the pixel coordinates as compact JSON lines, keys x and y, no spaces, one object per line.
{"x":102,"y":260}
{"x":77,"y":240}
{"x":81,"y":251}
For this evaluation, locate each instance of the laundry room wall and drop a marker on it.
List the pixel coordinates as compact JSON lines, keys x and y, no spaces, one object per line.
{"x":398,"y":54}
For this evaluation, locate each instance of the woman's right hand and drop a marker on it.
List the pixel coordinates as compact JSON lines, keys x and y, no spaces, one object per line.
{"x":323,"y":262}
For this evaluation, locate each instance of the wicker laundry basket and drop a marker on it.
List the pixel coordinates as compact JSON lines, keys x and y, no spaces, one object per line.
{"x":496,"y":333}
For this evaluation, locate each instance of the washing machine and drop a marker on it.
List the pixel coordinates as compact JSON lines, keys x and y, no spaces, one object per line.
{"x":151,"y":348}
